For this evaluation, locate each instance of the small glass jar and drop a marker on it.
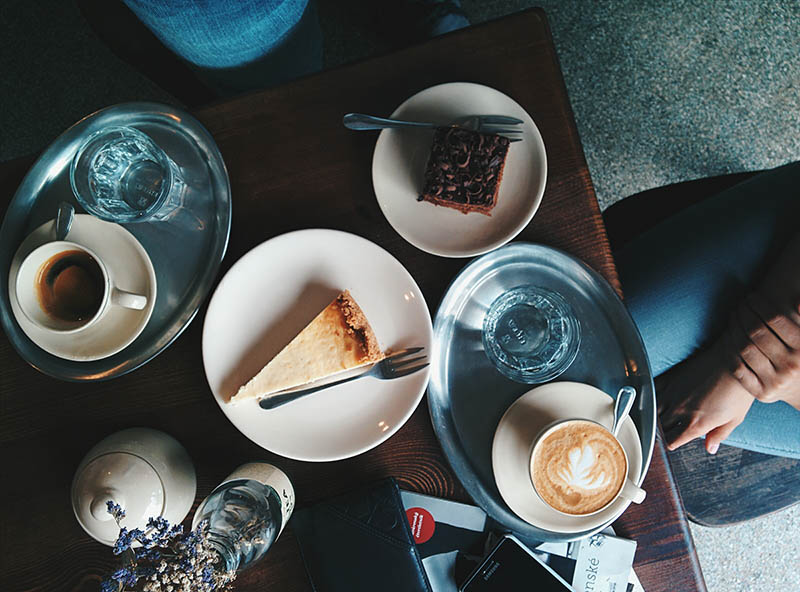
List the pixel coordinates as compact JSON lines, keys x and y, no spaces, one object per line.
{"x":246,"y":513}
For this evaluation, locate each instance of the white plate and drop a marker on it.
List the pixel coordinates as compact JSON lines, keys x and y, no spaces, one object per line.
{"x":398,"y":167}
{"x":267,"y":298}
{"x":512,"y":447}
{"x":129,"y":266}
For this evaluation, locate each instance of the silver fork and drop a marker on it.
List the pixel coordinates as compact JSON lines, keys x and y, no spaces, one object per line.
{"x":395,"y":366}
{"x":478,"y":123}
{"x":489,"y":123}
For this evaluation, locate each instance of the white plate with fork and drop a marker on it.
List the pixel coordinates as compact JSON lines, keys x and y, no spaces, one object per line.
{"x":269,"y":295}
{"x":401,"y":155}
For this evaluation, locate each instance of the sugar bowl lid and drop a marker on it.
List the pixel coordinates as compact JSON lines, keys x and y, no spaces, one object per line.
{"x":122,"y":478}
{"x":144,"y":471}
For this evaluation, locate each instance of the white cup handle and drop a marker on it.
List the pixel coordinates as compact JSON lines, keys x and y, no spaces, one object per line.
{"x":632,"y":492}
{"x":128,"y":299}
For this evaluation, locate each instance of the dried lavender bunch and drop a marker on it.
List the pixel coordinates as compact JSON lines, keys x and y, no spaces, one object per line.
{"x":166,"y":560}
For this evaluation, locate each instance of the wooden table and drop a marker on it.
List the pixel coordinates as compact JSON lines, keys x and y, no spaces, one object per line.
{"x":292,"y":165}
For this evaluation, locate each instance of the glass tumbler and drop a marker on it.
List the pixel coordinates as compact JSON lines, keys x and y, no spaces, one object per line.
{"x":531,"y":334}
{"x":246,"y":513}
{"x":119,"y":174}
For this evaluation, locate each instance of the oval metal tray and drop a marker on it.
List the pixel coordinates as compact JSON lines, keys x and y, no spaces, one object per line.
{"x":467,"y":396}
{"x":186,"y":251}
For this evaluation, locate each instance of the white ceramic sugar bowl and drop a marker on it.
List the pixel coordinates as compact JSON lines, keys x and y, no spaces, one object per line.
{"x":145,"y":471}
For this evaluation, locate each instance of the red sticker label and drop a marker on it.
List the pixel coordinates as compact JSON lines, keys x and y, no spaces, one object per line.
{"x":421,"y":523}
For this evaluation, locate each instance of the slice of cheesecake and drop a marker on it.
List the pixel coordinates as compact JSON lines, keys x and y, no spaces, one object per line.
{"x":338,"y":339}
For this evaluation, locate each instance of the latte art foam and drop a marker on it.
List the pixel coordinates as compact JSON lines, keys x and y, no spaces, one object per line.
{"x":581,"y":470}
{"x":578,"y":468}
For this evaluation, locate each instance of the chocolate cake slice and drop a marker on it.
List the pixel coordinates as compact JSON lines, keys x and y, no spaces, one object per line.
{"x":464,"y":170}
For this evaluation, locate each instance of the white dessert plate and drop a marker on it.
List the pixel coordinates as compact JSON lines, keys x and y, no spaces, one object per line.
{"x":398,"y":167}
{"x":512,"y":447}
{"x":129,"y":266}
{"x":269,"y":296}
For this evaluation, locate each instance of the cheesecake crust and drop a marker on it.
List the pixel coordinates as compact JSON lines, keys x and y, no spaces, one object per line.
{"x":358,"y":326}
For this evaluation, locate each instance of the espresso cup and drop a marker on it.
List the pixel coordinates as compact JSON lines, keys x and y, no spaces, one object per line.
{"x":579,"y":468}
{"x":64,"y":287}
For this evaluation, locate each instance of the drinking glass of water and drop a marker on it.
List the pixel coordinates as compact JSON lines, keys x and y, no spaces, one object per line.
{"x":531,"y":334}
{"x":119,"y":174}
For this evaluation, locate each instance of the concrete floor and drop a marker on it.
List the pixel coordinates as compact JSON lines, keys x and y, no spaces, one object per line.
{"x":757,"y":556}
{"x":663,"y":91}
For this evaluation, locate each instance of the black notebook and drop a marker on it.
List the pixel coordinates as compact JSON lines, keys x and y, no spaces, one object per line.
{"x":360,"y":541}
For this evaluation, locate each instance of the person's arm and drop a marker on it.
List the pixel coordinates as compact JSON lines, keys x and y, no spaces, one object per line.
{"x":758,"y":356}
{"x":765,"y":333}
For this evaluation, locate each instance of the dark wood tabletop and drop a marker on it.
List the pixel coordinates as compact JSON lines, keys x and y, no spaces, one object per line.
{"x":292,"y":165}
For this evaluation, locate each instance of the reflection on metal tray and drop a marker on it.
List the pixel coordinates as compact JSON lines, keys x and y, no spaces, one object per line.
{"x":467,"y":396}
{"x":186,"y":251}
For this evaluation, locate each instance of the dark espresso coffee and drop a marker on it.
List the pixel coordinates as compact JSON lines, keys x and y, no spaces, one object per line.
{"x":70,"y":286}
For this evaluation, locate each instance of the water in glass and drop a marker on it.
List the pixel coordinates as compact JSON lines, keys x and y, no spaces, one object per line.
{"x":244,"y":519}
{"x":530,"y":334}
{"x":246,"y":513}
{"x":121,"y":175}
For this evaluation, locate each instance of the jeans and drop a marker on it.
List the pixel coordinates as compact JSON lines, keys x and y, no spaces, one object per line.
{"x":238,"y":45}
{"x":683,"y":278}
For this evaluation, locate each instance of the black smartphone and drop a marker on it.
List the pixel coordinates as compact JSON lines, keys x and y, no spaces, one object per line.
{"x":512,"y":567}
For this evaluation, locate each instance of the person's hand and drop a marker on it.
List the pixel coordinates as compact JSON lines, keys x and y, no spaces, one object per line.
{"x":765,"y":333}
{"x":702,"y":398}
{"x":767,"y":346}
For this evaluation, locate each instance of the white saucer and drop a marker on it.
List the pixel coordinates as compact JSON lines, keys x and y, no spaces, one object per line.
{"x":269,"y":295}
{"x":129,"y":266}
{"x":512,"y":447}
{"x":398,"y":167}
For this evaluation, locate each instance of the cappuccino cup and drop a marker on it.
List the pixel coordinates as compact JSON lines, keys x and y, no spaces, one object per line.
{"x":579,"y":468}
{"x":63,"y":287}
